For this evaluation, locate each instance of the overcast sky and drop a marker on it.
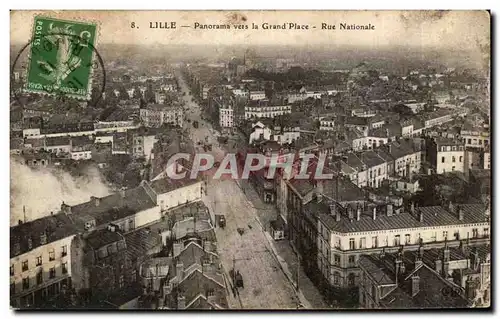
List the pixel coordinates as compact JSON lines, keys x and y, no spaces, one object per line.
{"x":446,"y":30}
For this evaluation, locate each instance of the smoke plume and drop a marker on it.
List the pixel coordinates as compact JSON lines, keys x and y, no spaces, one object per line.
{"x":42,"y":190}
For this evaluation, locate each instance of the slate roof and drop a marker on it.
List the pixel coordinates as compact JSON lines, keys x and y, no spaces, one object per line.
{"x":55,"y":227}
{"x":103,"y":237}
{"x":432,"y":216}
{"x":57,"y":141}
{"x":431,"y":284}
{"x":141,"y":241}
{"x":112,"y":207}
{"x":165,"y":185}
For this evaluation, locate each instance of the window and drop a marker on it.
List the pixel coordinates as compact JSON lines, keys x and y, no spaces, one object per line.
{"x":64,"y":268}
{"x":52,"y":255}
{"x":475,"y":233}
{"x":351,"y":279}
{"x":52,"y":272}
{"x":25,"y":265}
{"x":26,"y":283}
{"x":460,"y":159}
{"x":352,"y":244}
{"x":39,"y":260}
{"x":486,"y":232}
{"x":336,"y":278}
{"x":480,"y":142}
{"x":407,"y":239}
{"x":374,"y":242}
{"x":445,"y":235}
{"x":352,"y":260}
{"x":64,"y":251}
{"x":453,"y":159}
{"x":397,"y":240}
{"x":39,"y":277}
{"x":121,"y":281}
{"x":336,"y":260}
{"x":362,"y":242}
{"x":442,"y":159}
{"x":12,"y":270}
{"x":434,"y":236}
{"x":469,"y":141}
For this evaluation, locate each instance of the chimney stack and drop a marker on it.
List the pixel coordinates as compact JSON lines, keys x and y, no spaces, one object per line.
{"x":177,"y":247}
{"x":439,"y":266}
{"x":358,"y":213}
{"x":181,"y":302}
{"x":207,"y":245}
{"x":451,"y":208}
{"x":415,"y":285}
{"x":421,"y":217}
{"x":460,"y":213}
{"x":412,"y":207}
{"x":333,"y":210}
{"x":96,"y":200}
{"x":446,"y":253}
{"x":179,"y":269}
{"x":374,"y":213}
{"x":389,"y":210}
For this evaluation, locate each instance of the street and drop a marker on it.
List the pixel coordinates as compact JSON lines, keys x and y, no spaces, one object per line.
{"x":265,"y":284}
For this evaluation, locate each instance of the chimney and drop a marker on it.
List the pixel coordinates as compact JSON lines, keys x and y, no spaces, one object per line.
{"x":374,"y":213}
{"x":333,"y":210}
{"x":177,"y":247}
{"x":206,"y":266}
{"x":439,"y":266}
{"x":474,"y":258}
{"x":43,"y":238}
{"x":351,"y":213}
{"x":470,"y":289}
{"x":179,"y":269}
{"x":412,"y":207}
{"x":358,"y":213}
{"x":389,"y":210}
{"x":319,"y":197}
{"x":387,"y":134}
{"x":451,"y":207}
{"x":460,"y":213}
{"x":181,"y":302}
{"x":446,"y":253}
{"x":167,"y":289}
{"x":96,"y":200}
{"x":207,"y":245}
{"x":415,"y":285}
{"x":337,"y":216}
{"x":65,"y":208}
{"x":421,"y":217}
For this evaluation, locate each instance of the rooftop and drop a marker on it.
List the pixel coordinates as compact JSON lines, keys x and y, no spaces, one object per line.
{"x":28,"y":236}
{"x":112,"y":207}
{"x":432,"y":216}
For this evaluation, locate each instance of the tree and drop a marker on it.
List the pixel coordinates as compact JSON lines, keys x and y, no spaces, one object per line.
{"x":123,"y":92}
{"x":149,"y":95}
{"x":137,"y":93}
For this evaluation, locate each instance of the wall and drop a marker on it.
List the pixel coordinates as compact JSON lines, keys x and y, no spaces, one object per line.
{"x":147,"y":216}
{"x":31,"y":257}
{"x":180,"y":196}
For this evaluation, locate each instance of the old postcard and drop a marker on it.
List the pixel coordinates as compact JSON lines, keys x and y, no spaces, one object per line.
{"x":222,"y":160}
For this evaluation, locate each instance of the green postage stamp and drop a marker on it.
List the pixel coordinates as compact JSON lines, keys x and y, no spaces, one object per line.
{"x":61,"y":58}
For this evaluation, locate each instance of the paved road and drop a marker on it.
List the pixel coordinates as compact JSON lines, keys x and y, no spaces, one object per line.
{"x":265,"y":285}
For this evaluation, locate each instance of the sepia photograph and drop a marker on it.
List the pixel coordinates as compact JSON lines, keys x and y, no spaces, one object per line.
{"x":250,"y":160}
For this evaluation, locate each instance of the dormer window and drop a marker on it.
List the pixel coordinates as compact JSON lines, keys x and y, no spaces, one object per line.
{"x":17,"y":249}
{"x":43,"y":238}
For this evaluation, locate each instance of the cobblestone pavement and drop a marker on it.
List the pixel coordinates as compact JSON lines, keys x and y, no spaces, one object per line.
{"x":265,"y":285}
